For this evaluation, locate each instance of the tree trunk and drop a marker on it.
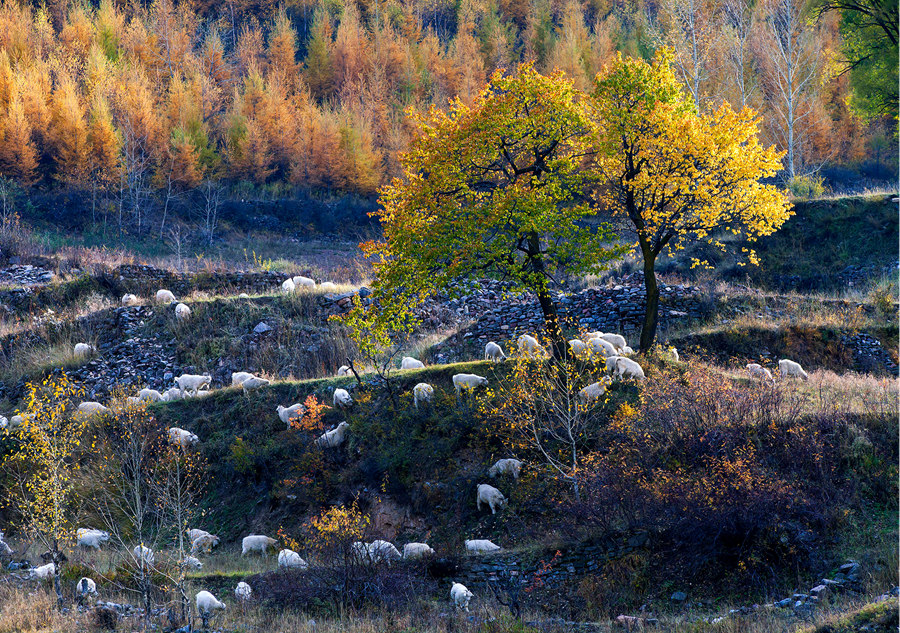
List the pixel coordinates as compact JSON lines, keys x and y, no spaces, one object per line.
{"x":651,"y":313}
{"x":548,"y":307}
{"x":57,"y":586}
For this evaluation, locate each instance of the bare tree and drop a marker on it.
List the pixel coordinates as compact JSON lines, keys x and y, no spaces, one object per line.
{"x":212,"y":193}
{"x":790,"y":61}
{"x":738,"y":20}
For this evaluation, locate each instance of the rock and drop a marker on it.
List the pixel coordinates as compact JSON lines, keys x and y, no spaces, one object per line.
{"x":262,"y":327}
{"x":679,"y":596}
{"x":818,"y":590}
{"x":783,"y":604}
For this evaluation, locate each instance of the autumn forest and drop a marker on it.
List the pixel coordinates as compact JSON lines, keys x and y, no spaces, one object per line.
{"x":139,"y":101}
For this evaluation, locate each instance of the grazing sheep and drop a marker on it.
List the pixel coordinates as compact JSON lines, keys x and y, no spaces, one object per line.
{"x":577,"y":346}
{"x":287,"y":286}
{"x":92,"y":408}
{"x":150,"y":395}
{"x":16,"y":420}
{"x":528,"y":345}
{"x":506,"y":467}
{"x":5,"y":549}
{"x":492,"y":351}
{"x":4,"y":422}
{"x":243,"y":591}
{"x":192,"y":383}
{"x":383,"y":551}
{"x":333,"y":438}
{"x":303,"y":282}
{"x":627,"y":368}
{"x":593,"y":391}
{"x":182,"y":312}
{"x":129,"y":300}
{"x":602,"y":347}
{"x":190,"y":562}
{"x":206,"y":604}
{"x":83,"y":350}
{"x":341,"y":399}
{"x":460,"y":596}
{"x":490,"y":496}
{"x":254,"y":382}
{"x":481,"y":546}
{"x":200,"y":394}
{"x":674,"y":353}
{"x":758,"y":371}
{"x":238,"y":377}
{"x":143,"y":554}
{"x":44,"y":571}
{"x":344,"y":370}
{"x":204,"y":544}
{"x":617,"y":340}
{"x":182,"y":438}
{"x":416,"y":550}
{"x":85,"y":588}
{"x":467,"y":382}
{"x":627,"y":351}
{"x":171,"y":395}
{"x":293,"y":412}
{"x":164,"y":296}
{"x":243,"y":295}
{"x":790,"y":368}
{"x":408,"y":362}
{"x":328,"y":286}
{"x":257,"y":543}
{"x":89,"y":537}
{"x":132,"y":401}
{"x":195,"y":533}
{"x":422,"y":392}
{"x":290,"y":558}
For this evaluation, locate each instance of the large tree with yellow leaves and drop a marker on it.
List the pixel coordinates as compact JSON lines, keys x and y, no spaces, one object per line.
{"x":674,"y":174}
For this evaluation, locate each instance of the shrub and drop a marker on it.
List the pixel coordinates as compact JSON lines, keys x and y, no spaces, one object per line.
{"x":808,"y":186}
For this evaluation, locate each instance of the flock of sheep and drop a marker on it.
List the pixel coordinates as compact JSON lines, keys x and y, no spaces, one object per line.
{"x":612,"y":347}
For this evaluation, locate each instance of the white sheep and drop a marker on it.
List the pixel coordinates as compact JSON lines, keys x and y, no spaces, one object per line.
{"x":593,"y":391}
{"x":602,"y":347}
{"x":328,"y":286}
{"x":383,"y":551}
{"x":5,"y":549}
{"x":254,"y":382}
{"x":422,"y":392}
{"x":341,"y":399}
{"x":481,"y":546}
{"x":238,"y":377}
{"x":627,"y":351}
{"x":758,"y":371}
{"x":490,"y":496}
{"x":627,"y":368}
{"x":44,"y":571}
{"x":129,"y":300}
{"x":303,"y":282}
{"x":144,"y":555}
{"x":190,"y":562}
{"x":577,"y":346}
{"x":183,"y":439}
{"x":92,"y":408}
{"x":182,"y":312}
{"x":333,"y":438}
{"x":506,"y":467}
{"x":243,"y":591}
{"x":204,"y":544}
{"x":257,"y":543}
{"x":467,"y":382}
{"x":288,"y":286}
{"x":83,"y":350}
{"x":4,"y":422}
{"x":460,"y":596}
{"x":493,"y":351}
{"x":164,"y":296}
{"x":171,"y":395}
{"x":674,"y":352}
{"x":149,"y":395}
{"x":528,"y":345}
{"x":192,"y":383}
{"x":195,"y":533}
{"x":293,"y":412}
{"x":344,"y":370}
{"x":791,"y":368}
{"x":408,"y":362}
{"x":289,"y":558}
{"x":206,"y":604}
{"x":16,"y":420}
{"x":617,"y":340}
{"x":416,"y":550}
{"x":90,"y":537}
{"x":243,"y":295}
{"x":85,"y":587}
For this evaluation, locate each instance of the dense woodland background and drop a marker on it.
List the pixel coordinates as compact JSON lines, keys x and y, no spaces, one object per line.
{"x":143,"y":109}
